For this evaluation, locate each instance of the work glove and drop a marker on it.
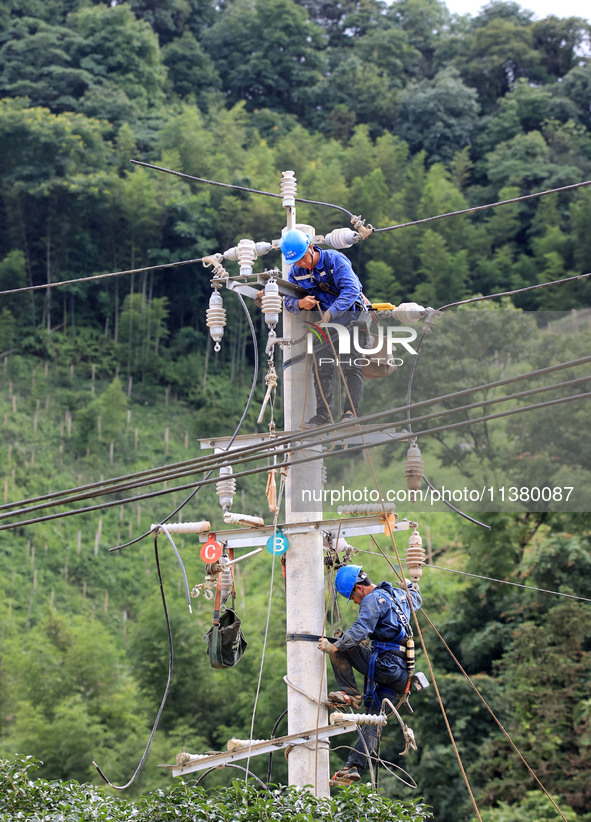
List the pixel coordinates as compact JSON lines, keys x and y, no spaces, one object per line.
{"x":325,"y":645}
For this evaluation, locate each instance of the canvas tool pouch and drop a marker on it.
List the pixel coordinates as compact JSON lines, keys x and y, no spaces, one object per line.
{"x":225,"y":641}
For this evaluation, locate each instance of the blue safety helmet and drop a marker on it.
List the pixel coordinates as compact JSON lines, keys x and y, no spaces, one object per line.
{"x":346,"y":580}
{"x":294,"y":245}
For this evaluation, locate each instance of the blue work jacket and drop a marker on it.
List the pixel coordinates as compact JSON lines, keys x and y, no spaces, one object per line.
{"x":378,"y":619}
{"x":332,"y":282}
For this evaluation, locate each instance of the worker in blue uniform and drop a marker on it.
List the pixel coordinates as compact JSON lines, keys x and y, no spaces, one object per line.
{"x":335,"y":290}
{"x":384,"y":617}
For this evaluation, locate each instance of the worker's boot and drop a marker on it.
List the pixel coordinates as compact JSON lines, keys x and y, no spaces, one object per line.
{"x":354,"y":701}
{"x":346,"y":776}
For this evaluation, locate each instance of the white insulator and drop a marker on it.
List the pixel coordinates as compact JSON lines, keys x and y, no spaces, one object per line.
{"x":225,"y":487}
{"x":359,"y":719}
{"x":183,"y":527}
{"x":342,"y":238}
{"x":374,"y":508}
{"x":415,"y":556}
{"x":234,"y":744}
{"x":414,"y":468}
{"x":215,"y":318}
{"x":247,"y":254}
{"x":243,"y":519}
{"x":271,"y":303}
{"x":323,"y":473}
{"x":263,"y":248}
{"x":288,"y":187}
{"x":409,"y":312}
{"x":226,"y":573}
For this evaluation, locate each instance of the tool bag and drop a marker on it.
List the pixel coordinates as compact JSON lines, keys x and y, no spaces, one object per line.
{"x":379,"y":366}
{"x":225,"y":641}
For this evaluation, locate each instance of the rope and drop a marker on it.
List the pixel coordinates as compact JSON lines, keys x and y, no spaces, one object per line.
{"x":255,"y":376}
{"x":491,"y":712}
{"x":256,"y":697}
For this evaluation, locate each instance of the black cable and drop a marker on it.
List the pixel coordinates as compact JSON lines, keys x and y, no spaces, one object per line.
{"x":350,"y":450}
{"x":233,"y":765}
{"x":474,"y":209}
{"x":239,"y":188}
{"x":166,"y":689}
{"x":99,"y":277}
{"x":275,"y":726}
{"x":515,"y":291}
{"x":260,"y":450}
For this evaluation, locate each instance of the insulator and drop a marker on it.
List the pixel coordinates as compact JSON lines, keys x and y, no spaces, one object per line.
{"x":409,"y":312}
{"x":215,"y":318}
{"x":414,"y":468}
{"x":323,"y":473}
{"x":243,"y":519}
{"x":271,"y":303}
{"x":374,"y":508}
{"x":415,"y":556}
{"x":263,"y":248}
{"x":233,"y":254}
{"x":342,"y":238}
{"x":288,"y":187}
{"x":200,"y":527}
{"x":226,"y":582}
{"x":225,"y":487}
{"x":247,"y":254}
{"x":359,"y":719}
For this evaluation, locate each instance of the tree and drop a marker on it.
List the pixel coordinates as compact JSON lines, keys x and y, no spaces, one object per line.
{"x":438,"y":116}
{"x":280,"y":71}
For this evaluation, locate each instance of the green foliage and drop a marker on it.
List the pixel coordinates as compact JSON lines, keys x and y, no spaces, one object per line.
{"x":28,"y":797}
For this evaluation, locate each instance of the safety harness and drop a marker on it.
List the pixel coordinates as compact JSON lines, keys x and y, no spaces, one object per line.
{"x":406,"y":651}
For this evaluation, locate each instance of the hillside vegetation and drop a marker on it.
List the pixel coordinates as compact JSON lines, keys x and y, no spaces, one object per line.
{"x":396,"y":111}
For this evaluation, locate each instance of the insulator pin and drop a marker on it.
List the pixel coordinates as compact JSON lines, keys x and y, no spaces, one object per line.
{"x":271,"y":303}
{"x":342,"y":238}
{"x":225,"y":487}
{"x":415,"y":556}
{"x":414,"y":468}
{"x":215,"y":318}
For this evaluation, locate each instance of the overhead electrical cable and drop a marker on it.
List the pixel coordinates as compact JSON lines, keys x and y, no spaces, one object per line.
{"x":92,"y":277}
{"x":522,"y":290}
{"x":238,"y":187}
{"x":474,"y":209}
{"x":509,"y":582}
{"x":351,"y":449}
{"x":215,"y":463}
{"x":260,"y":451}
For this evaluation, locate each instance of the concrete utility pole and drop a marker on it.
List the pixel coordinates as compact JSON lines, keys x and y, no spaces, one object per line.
{"x":306,"y":665}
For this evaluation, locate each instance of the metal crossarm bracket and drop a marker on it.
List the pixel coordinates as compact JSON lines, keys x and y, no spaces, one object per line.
{"x":258,"y":747}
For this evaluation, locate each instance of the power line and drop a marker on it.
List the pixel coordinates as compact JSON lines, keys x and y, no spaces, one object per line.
{"x":260,"y":451}
{"x":508,"y":582}
{"x":350,"y":450}
{"x":93,"y":277}
{"x":474,"y":209}
{"x":514,"y":291}
{"x":237,"y":187}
